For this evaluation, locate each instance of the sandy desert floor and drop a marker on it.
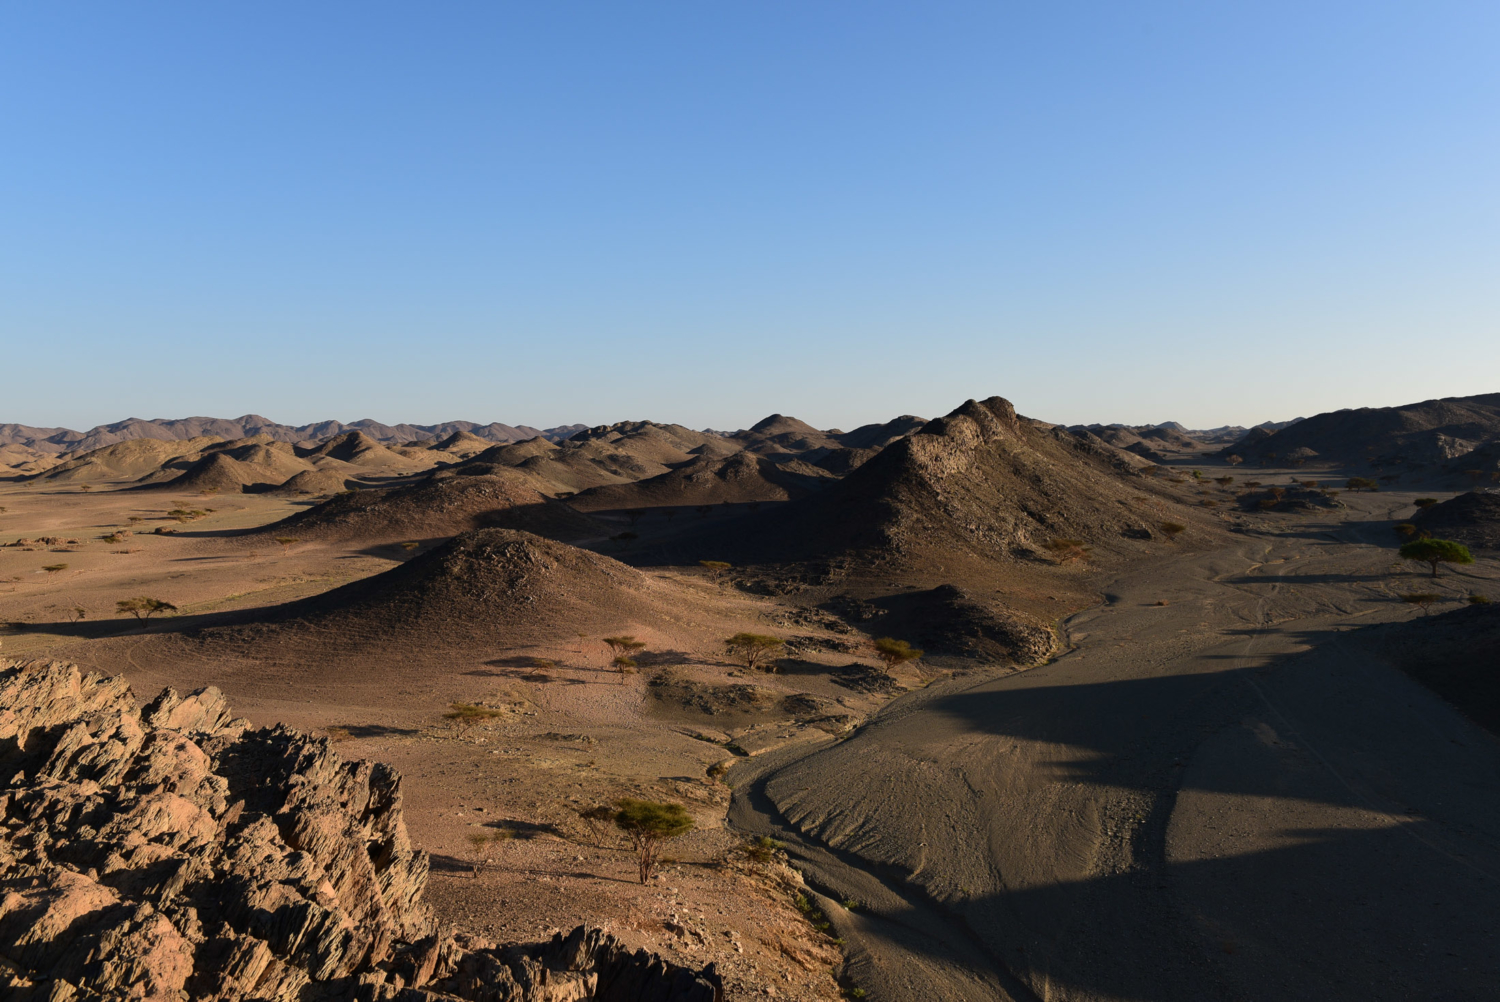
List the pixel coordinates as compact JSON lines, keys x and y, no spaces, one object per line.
{"x":1218,"y":792}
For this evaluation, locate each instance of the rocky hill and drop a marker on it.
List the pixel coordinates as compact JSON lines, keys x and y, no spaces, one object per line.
{"x":170,"y":851}
{"x":981,"y":481}
{"x":480,"y":589}
{"x":1472,"y":519}
{"x":1420,"y":434}
{"x":436,"y":509}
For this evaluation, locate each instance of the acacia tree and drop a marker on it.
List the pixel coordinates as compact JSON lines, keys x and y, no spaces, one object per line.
{"x":755,"y":648}
{"x":143,"y":607}
{"x":895,"y":653}
{"x":648,"y":824}
{"x":715,"y":568}
{"x":1436,"y":551}
{"x":623,"y":647}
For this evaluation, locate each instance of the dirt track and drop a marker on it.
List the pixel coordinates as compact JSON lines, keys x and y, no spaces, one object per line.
{"x":1225,"y":797}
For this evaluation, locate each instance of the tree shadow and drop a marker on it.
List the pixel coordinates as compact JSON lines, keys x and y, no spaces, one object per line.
{"x":376,"y":731}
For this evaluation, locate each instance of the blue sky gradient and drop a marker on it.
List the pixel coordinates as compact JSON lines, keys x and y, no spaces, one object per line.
{"x":705,"y":212}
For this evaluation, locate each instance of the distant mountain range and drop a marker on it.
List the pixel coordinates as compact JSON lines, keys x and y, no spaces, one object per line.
{"x":1432,"y":431}
{"x":58,"y":440}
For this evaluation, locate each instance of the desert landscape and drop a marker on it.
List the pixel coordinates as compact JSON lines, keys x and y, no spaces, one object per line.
{"x":976,"y":707}
{"x":967,"y":502}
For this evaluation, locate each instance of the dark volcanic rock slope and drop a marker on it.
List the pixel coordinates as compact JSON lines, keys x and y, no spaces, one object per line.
{"x":171,"y":852}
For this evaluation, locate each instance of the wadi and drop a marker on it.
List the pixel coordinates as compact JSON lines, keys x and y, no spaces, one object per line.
{"x":969,"y":707}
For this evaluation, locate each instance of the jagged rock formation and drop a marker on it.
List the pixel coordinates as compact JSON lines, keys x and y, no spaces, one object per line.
{"x":172,"y":852}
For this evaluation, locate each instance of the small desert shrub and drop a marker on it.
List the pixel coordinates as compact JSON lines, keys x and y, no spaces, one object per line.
{"x":1421,"y":599}
{"x":466,"y":715}
{"x":1266,"y":504}
{"x":1405,"y":528}
{"x":1223,"y":481}
{"x":1362,"y":484}
{"x":1425,"y":502}
{"x":755,"y":649}
{"x":54,"y":568}
{"x":1067,"y":550}
{"x":596,"y":818}
{"x":1172,"y":529}
{"x":1478,"y":599}
{"x":763,"y":849}
{"x":188,"y":514}
{"x":895,"y":652}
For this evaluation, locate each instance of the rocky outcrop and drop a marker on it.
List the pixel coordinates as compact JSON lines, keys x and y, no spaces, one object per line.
{"x":170,"y":851}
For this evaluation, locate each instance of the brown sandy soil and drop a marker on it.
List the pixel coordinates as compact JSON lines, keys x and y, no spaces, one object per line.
{"x":569,"y":739}
{"x":1086,"y":829}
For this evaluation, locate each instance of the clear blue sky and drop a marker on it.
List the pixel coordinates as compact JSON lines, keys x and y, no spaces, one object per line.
{"x":707,"y":211}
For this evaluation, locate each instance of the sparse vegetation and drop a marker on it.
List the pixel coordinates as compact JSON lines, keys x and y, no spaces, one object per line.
{"x":755,"y":649}
{"x":1478,"y":599}
{"x":1405,"y":528}
{"x":715,"y":568}
{"x":624,"y":665}
{"x":188,"y":514}
{"x":648,"y":824}
{"x":1425,"y":503}
{"x":1234,"y":460}
{"x":895,"y":653}
{"x":626,"y":645}
{"x":287,"y":542}
{"x":763,"y":849}
{"x":541,"y":667}
{"x":596,"y":818}
{"x":635,"y":515}
{"x":1362,"y":484}
{"x":1435,"y":552}
{"x":54,"y":568}
{"x":143,"y":607}
{"x":466,"y":715}
{"x":1172,"y":529}
{"x":1421,"y":599}
{"x":77,"y":614}
{"x":1067,"y":550}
